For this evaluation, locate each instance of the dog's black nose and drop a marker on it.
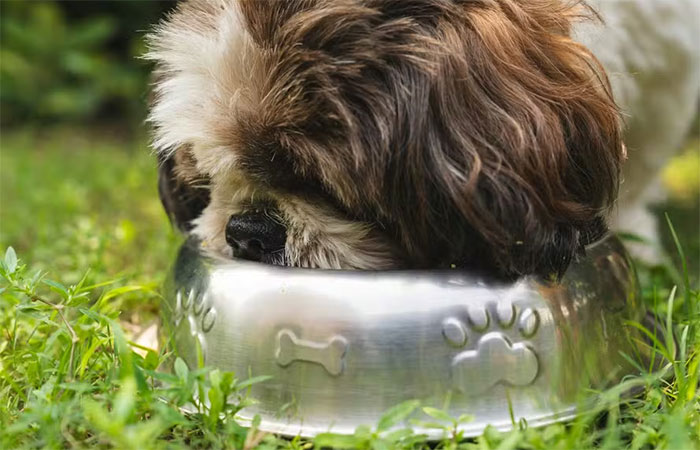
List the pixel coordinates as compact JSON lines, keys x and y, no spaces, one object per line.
{"x":254,"y":235}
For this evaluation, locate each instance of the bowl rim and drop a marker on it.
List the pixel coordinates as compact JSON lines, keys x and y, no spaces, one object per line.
{"x":206,"y":255}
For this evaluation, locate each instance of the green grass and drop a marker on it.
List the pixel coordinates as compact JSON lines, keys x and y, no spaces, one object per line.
{"x":91,"y":245}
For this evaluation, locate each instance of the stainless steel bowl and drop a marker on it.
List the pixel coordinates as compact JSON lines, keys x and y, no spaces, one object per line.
{"x":343,"y":347}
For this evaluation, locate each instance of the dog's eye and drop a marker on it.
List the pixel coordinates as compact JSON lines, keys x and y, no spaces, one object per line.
{"x":256,"y":235}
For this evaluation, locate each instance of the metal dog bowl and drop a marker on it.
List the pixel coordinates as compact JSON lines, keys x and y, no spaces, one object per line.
{"x":343,"y":347}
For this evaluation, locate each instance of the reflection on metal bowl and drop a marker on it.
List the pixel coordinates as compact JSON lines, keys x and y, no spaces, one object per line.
{"x":343,"y":347}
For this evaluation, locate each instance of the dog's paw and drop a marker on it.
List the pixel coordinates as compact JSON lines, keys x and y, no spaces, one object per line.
{"x":497,"y":352}
{"x":194,"y":311}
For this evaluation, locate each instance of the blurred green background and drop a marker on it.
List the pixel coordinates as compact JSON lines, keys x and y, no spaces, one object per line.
{"x":78,"y":183}
{"x":75,"y":62}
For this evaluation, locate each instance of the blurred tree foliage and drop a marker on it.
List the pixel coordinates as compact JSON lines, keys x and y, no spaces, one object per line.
{"x":74,"y":61}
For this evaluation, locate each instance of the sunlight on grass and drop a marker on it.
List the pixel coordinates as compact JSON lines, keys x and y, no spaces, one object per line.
{"x":72,"y":201}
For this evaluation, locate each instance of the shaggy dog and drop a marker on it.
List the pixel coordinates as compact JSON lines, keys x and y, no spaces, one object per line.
{"x":378,"y":134}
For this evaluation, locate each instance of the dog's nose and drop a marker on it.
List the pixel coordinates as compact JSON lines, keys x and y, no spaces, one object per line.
{"x":253,"y":235}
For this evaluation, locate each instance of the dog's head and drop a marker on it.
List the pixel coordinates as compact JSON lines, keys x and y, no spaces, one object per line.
{"x":377,"y":134}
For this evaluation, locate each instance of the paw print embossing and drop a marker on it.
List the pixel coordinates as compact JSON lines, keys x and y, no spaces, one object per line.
{"x":198,"y":314}
{"x":494,"y":357}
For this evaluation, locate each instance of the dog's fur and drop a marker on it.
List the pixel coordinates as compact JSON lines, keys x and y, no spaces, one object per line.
{"x":388,"y":133}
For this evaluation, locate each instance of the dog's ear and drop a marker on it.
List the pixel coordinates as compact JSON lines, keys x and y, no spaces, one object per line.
{"x":182,"y":199}
{"x":529,"y":148}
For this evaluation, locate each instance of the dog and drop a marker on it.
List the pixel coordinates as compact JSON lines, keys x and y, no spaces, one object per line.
{"x":412,"y":134}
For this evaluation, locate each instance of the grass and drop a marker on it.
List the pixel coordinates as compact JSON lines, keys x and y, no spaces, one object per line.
{"x":90,"y":246}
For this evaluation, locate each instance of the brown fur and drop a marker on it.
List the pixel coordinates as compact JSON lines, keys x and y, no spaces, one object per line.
{"x":468,"y":132}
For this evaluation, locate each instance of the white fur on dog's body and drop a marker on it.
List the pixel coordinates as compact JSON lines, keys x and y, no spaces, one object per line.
{"x":651,"y":51}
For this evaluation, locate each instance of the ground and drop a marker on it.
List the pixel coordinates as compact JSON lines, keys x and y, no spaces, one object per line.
{"x":90,"y":248}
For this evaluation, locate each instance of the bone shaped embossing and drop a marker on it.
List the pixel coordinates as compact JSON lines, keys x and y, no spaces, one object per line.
{"x":331,"y":354}
{"x":494,"y":360}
